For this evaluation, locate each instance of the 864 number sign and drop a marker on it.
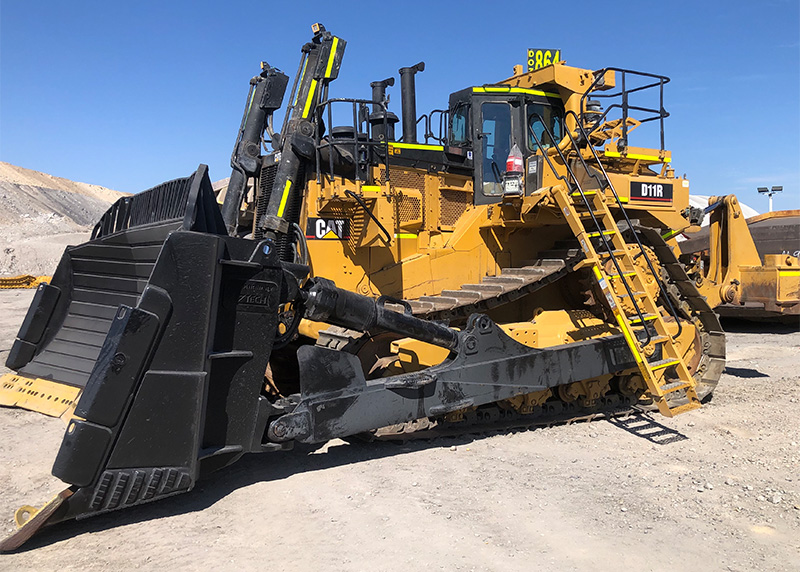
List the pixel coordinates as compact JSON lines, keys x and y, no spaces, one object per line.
{"x":541,"y":57}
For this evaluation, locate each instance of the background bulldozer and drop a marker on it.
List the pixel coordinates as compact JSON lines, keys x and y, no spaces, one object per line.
{"x":747,"y":268}
{"x":512,"y":270}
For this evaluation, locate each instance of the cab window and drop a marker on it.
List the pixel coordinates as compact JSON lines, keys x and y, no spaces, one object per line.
{"x":539,"y":116}
{"x":496,"y":143}
{"x":459,"y":119}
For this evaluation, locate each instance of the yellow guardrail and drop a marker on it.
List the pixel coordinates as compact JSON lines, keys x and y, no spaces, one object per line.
{"x":22,"y":281}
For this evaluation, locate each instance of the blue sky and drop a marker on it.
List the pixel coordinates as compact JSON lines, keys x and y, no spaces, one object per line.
{"x":129,"y":94}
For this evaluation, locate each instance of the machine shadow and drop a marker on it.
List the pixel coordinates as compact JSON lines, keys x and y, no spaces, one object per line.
{"x":251,"y":469}
{"x":644,"y":426}
{"x":744,"y":372}
{"x":789,"y":325}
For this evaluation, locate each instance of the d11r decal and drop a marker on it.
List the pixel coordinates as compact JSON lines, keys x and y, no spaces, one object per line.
{"x":660,"y":192}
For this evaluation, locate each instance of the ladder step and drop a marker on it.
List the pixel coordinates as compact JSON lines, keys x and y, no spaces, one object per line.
{"x":635,"y":294}
{"x":597,"y":234}
{"x":685,"y":407}
{"x":661,"y":364}
{"x":624,"y":274}
{"x":584,"y":193}
{"x":674,"y":386}
{"x":612,"y":253}
{"x":647,"y":318}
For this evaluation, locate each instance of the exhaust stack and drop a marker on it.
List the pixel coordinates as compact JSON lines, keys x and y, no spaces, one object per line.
{"x":382,"y":131}
{"x":409,"y":97}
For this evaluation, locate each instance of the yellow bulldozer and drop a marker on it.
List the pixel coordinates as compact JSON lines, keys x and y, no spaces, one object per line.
{"x":747,"y":268}
{"x":511,"y":270}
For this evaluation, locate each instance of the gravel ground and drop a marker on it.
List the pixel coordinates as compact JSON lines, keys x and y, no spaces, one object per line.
{"x":717,"y":489}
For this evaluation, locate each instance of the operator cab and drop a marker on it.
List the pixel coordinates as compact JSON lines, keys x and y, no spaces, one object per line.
{"x":488,"y":121}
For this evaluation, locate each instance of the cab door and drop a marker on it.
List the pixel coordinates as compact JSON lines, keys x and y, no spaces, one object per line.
{"x":494,"y":140}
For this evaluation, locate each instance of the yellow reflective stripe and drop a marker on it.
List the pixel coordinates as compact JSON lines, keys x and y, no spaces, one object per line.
{"x":284,"y":198}
{"x":623,"y":199}
{"x":789,"y":273}
{"x":629,"y":338}
{"x":663,"y":365}
{"x":596,"y":234}
{"x":639,"y":157}
{"x":250,"y":105}
{"x":330,"y":57}
{"x":622,"y":325}
{"x":405,"y":236}
{"x":514,"y":90}
{"x":300,"y":82}
{"x":370,"y":188}
{"x":312,"y":88}
{"x":416,"y":146}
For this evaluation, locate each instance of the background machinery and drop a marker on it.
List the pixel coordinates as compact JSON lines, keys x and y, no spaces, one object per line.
{"x":747,"y":268}
{"x":509,"y":270}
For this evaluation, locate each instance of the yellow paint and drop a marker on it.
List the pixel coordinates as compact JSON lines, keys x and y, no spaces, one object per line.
{"x":302,"y":75}
{"x":415,"y":146}
{"x":331,"y":56}
{"x":405,"y":235}
{"x":370,"y":188}
{"x":41,"y":395}
{"x":23,"y":281}
{"x":307,"y":107}
{"x":639,"y":157}
{"x":515,"y":90}
{"x":284,"y":198}
{"x":786,"y":273}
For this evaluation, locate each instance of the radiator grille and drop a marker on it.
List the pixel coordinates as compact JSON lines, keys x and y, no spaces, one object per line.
{"x":453,"y":204}
{"x":409,"y":209}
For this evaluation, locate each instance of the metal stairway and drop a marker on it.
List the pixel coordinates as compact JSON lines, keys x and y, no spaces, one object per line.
{"x":611,"y":259}
{"x":639,"y":319}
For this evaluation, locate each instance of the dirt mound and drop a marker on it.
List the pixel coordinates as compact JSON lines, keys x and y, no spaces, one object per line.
{"x":41,"y":214}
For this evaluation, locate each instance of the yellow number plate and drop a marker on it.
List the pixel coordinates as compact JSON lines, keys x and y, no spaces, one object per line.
{"x":539,"y":58}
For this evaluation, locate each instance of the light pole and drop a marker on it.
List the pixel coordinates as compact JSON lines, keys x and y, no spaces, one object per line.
{"x":769,"y":193}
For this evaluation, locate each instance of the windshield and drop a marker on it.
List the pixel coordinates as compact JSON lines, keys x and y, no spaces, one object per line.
{"x":539,"y":116}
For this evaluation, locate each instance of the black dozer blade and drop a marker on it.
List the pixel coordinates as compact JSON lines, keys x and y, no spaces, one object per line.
{"x":169,"y":323}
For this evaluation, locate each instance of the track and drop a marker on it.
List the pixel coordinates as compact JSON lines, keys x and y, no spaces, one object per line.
{"x":514,"y":283}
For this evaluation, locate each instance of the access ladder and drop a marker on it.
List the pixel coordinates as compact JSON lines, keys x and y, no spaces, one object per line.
{"x":640,"y":319}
